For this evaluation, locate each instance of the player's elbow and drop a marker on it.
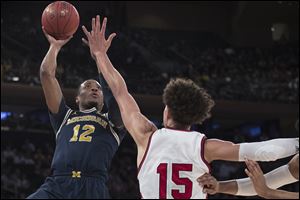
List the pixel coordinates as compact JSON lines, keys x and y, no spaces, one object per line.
{"x":44,"y":73}
{"x":294,"y":166}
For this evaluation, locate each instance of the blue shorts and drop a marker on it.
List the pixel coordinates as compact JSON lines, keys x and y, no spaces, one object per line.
{"x":66,"y":187}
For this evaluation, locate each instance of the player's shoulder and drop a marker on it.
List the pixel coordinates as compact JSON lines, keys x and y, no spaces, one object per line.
{"x":182,"y":133}
{"x":105,"y":117}
{"x":196,"y":135}
{"x":179,"y":131}
{"x":102,"y":115}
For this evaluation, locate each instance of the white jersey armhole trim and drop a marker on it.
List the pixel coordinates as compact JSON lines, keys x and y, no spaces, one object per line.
{"x":139,"y":167}
{"x":63,"y":122}
{"x":202,"y":157}
{"x":115,"y":135}
{"x":110,"y":122}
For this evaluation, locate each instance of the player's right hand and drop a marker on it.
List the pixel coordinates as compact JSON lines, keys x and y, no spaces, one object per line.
{"x":209,"y":183}
{"x":54,"y":42}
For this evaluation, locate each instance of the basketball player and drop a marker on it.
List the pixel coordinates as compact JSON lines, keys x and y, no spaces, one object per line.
{"x":86,"y":140}
{"x":172,"y":158}
{"x":258,"y":183}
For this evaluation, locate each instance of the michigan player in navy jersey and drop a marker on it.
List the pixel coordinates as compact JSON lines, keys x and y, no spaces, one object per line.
{"x":86,"y":140}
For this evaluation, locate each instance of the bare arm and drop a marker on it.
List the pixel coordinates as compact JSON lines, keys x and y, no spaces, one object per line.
{"x":212,"y":186}
{"x":260,"y":184}
{"x":257,"y":177}
{"x":221,"y":150}
{"x":230,"y":187}
{"x":137,"y":124}
{"x":279,"y":194}
{"x":49,"y":82}
{"x":112,"y":106}
{"x":114,"y":114}
{"x":294,"y":166}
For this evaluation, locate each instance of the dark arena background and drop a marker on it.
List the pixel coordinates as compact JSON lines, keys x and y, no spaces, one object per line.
{"x":245,"y":54}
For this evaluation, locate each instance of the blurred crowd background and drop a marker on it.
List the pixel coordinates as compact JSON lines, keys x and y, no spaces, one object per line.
{"x":256,"y":70}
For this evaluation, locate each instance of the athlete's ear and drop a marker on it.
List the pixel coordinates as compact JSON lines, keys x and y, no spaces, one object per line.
{"x":77,"y":100}
{"x":168,"y":111}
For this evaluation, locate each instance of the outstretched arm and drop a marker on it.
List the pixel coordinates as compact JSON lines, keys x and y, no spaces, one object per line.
{"x":279,"y":194}
{"x":114,"y":114}
{"x":110,"y":102}
{"x":212,"y":186}
{"x":269,"y":150}
{"x":136,"y":123}
{"x":257,"y":177}
{"x":262,"y":185}
{"x":49,"y":82}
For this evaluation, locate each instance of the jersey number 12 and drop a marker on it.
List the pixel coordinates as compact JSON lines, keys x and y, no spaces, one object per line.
{"x":84,"y":137}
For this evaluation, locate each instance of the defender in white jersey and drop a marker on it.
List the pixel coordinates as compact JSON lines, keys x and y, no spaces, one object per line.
{"x":174,"y":159}
{"x":177,"y":152}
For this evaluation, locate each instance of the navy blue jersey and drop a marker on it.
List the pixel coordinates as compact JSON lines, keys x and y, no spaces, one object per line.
{"x":86,"y":141}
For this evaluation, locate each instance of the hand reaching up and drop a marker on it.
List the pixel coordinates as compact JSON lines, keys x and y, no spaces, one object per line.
{"x":96,"y":38}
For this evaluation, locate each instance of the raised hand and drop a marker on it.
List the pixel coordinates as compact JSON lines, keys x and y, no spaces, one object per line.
{"x":96,"y":38}
{"x":257,"y":177}
{"x":54,"y":42}
{"x":209,"y":183}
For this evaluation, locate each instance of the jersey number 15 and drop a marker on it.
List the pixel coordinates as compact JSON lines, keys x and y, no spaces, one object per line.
{"x":176,"y":168}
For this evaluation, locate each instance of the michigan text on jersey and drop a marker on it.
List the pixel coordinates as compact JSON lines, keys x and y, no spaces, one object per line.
{"x":93,"y":118}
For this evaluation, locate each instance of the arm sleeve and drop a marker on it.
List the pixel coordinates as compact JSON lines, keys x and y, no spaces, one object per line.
{"x":114,"y":114}
{"x":274,"y":179}
{"x":269,"y":150}
{"x":57,"y":119}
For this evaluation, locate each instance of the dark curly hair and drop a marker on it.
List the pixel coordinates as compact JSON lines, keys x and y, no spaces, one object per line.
{"x":187,"y":102}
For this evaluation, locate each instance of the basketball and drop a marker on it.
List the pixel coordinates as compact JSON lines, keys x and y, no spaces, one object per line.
{"x":60,"y":19}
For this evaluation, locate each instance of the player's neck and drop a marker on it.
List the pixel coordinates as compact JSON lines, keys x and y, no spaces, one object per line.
{"x":173,"y":125}
{"x":82,"y":108}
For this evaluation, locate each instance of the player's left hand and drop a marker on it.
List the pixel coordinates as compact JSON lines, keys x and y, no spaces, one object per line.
{"x":96,"y":38}
{"x":257,"y":177}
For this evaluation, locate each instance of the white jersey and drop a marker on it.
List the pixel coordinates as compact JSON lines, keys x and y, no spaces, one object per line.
{"x":173,"y":161}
